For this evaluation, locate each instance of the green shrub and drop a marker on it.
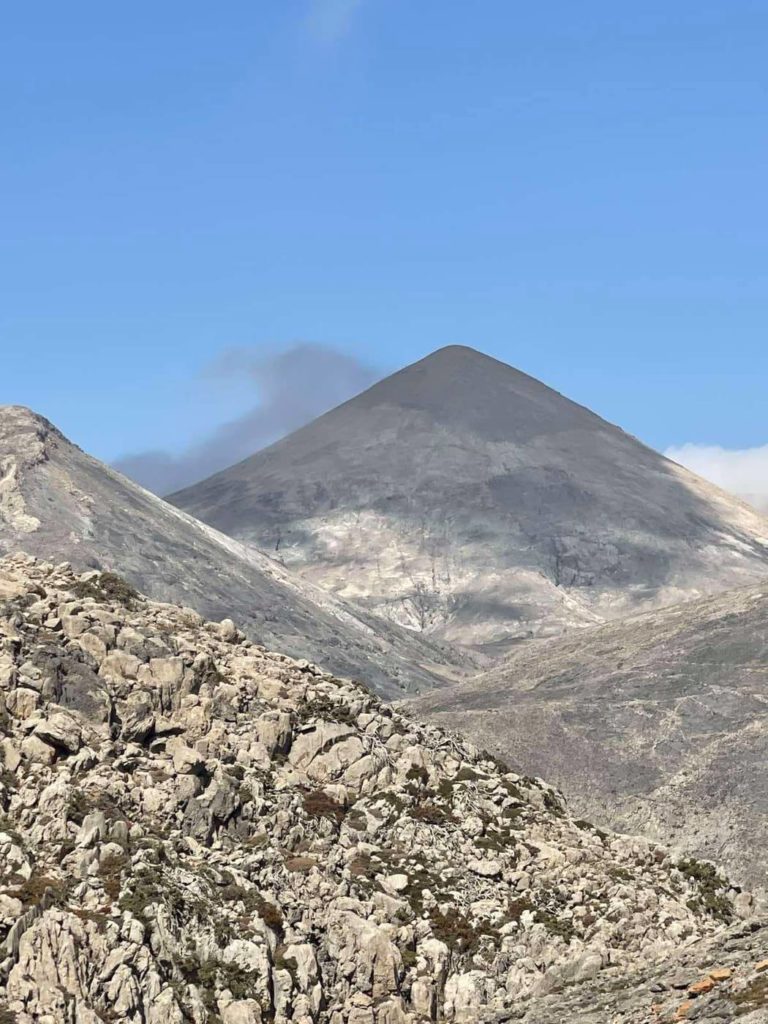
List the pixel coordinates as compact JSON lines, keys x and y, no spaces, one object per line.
{"x":587,"y":826}
{"x":552,"y":804}
{"x":431,"y":813}
{"x":283,"y":962}
{"x":362,"y":866}
{"x":561,"y":926}
{"x":357,"y":820}
{"x":458,"y":932}
{"x":81,"y":803}
{"x":512,"y":789}
{"x":620,"y":874}
{"x":107,"y":586}
{"x":711,"y":899}
{"x":33,"y":890}
{"x":300,"y":864}
{"x":517,"y":907}
{"x":418,"y":773}
{"x":111,"y":873}
{"x":409,"y":957}
{"x":326,"y":709}
{"x":271,"y":915}
{"x":318,"y":804}
{"x":513,"y":817}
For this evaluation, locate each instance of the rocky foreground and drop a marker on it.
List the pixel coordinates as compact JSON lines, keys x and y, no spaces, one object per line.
{"x":194,"y":829}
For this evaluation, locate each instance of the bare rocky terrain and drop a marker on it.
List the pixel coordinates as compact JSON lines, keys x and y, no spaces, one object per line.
{"x":656,"y":724}
{"x":59,"y":503}
{"x":463,"y":499}
{"x":194,"y":829}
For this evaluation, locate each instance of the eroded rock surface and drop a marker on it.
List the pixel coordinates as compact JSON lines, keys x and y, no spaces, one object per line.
{"x":196,"y":829}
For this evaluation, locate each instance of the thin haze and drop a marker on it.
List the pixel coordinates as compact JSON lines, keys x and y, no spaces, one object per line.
{"x":328,"y":21}
{"x":290,"y":388}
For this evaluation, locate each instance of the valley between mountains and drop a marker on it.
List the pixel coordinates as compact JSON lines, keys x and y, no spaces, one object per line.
{"x":448,"y":706}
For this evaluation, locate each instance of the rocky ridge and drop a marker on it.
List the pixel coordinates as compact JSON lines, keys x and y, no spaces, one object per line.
{"x":195,"y":829}
{"x":59,"y":503}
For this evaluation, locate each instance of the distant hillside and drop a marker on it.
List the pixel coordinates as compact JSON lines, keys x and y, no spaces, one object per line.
{"x":59,"y":503}
{"x":657,"y":724}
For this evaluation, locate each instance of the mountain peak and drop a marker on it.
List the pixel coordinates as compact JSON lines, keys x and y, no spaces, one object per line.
{"x":462,"y":497}
{"x":469,"y":390}
{"x":458,"y":354}
{"x":459,"y":359}
{"x":21,"y":417}
{"x":24,"y":434}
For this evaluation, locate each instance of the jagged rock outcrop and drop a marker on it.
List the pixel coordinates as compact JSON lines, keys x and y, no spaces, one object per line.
{"x":656,"y":724}
{"x":469,"y":501}
{"x":714,"y":981}
{"x":59,"y":503}
{"x":196,"y":829}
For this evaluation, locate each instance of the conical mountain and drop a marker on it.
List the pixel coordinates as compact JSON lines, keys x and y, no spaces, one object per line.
{"x":464,"y":498}
{"x":58,"y":503}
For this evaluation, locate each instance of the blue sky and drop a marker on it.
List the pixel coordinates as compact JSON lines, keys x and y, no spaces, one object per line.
{"x":578,"y":189}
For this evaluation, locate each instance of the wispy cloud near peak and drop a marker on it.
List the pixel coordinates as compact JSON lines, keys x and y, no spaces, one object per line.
{"x":743,"y":471}
{"x":328,"y":21}
{"x":292,"y":387}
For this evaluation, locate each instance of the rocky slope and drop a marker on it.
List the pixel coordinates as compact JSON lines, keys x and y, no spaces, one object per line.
{"x":656,"y":724}
{"x":59,"y":503}
{"x":197,"y":830}
{"x":464,"y":499}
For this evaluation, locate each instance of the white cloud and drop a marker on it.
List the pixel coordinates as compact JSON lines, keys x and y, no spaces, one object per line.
{"x":743,"y":472}
{"x":329,"y":20}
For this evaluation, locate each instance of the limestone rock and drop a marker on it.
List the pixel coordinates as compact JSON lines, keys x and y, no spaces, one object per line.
{"x":206,"y":830}
{"x":60,"y":731}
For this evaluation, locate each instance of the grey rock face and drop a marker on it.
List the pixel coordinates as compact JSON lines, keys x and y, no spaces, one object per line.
{"x":714,"y":981}
{"x":243,"y":838}
{"x":656,"y":724}
{"x":464,"y":499}
{"x":59,"y":503}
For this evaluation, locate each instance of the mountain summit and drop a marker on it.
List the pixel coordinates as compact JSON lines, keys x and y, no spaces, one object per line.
{"x":461,"y":497}
{"x":466,"y":389}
